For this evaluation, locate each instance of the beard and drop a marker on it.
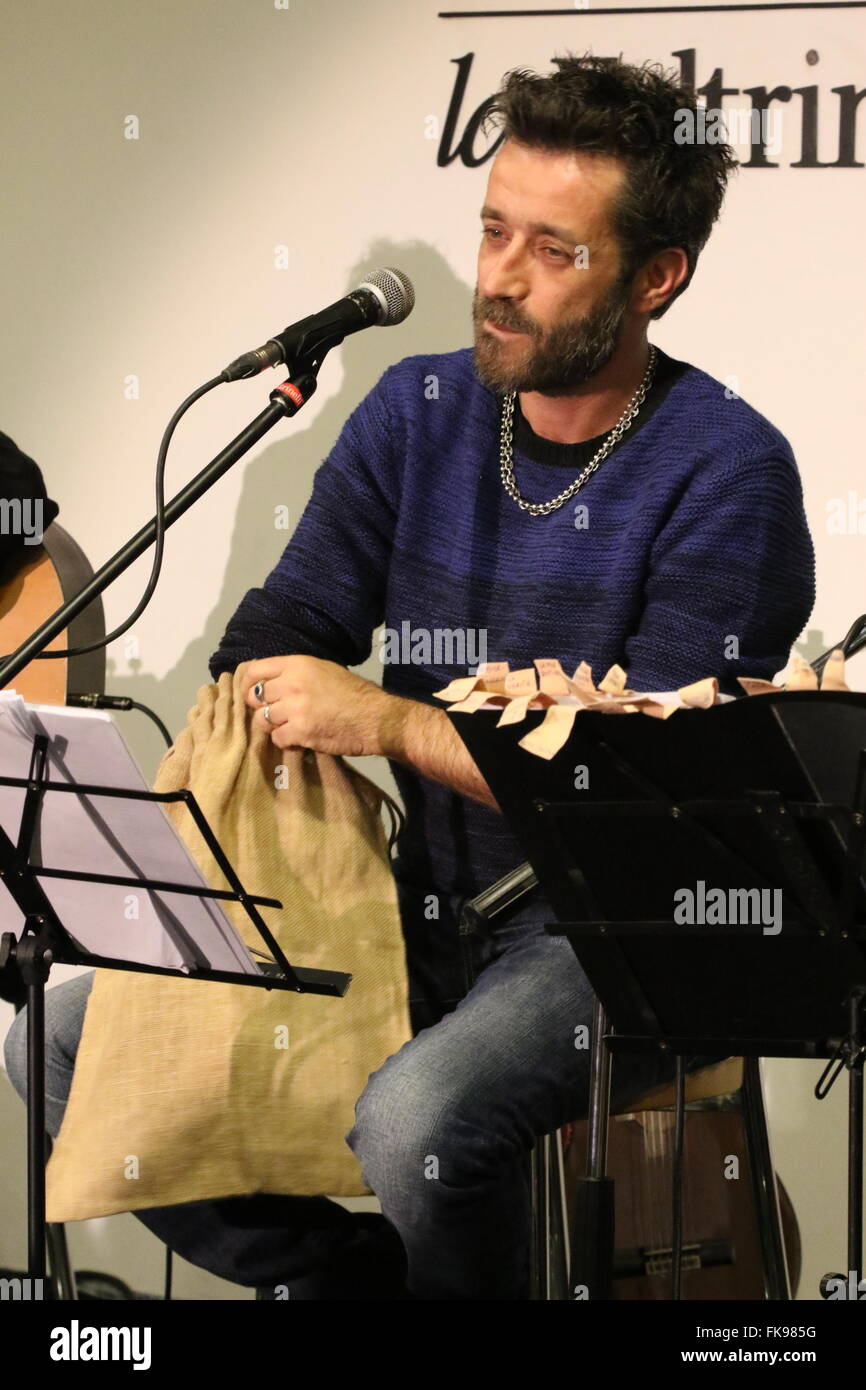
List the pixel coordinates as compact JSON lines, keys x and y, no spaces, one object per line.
{"x":555,"y":362}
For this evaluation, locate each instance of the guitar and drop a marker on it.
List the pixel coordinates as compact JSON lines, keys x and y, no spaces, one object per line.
{"x":33,"y":585}
{"x":722,"y":1247}
{"x":34,"y":582}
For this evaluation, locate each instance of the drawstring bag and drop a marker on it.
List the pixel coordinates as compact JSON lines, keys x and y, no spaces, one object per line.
{"x":187,"y":1090}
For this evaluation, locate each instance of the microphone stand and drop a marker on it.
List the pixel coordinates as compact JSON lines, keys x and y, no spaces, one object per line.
{"x":286,"y":400}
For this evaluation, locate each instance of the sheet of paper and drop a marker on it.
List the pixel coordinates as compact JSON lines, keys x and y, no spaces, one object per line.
{"x":110,"y":835}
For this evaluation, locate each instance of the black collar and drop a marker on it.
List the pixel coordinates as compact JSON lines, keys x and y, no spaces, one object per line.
{"x":576,"y":456}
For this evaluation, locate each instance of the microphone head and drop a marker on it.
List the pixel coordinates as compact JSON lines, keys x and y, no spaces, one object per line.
{"x":394,"y":293}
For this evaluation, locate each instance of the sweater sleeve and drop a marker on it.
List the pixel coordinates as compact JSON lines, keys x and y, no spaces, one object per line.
{"x":326,"y":594}
{"x":732,"y":580}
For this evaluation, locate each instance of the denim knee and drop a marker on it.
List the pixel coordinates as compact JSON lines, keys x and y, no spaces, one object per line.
{"x":65,"y":1006}
{"x":15,"y":1053}
{"x":407,"y":1127}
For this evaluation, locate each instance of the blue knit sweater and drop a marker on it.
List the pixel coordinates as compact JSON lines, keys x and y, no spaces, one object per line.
{"x":690,"y":534}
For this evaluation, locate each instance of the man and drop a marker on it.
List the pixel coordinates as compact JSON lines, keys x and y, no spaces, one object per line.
{"x":562,"y":491}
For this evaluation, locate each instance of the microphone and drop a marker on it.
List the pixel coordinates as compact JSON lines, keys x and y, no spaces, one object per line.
{"x":386,"y":297}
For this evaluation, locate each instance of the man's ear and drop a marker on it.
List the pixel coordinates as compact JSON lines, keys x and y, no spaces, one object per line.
{"x":659,"y":278}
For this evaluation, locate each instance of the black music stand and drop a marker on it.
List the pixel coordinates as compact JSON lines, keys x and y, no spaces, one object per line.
{"x":45,"y":941}
{"x":765,"y":793}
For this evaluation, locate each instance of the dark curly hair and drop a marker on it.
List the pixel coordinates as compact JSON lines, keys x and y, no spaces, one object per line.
{"x":672,"y":193}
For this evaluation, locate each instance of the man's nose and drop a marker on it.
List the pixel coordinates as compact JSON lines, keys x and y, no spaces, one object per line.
{"x":506,"y":277}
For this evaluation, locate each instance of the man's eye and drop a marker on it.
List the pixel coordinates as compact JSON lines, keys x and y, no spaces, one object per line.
{"x":555,"y":252}
{"x":491,"y":231}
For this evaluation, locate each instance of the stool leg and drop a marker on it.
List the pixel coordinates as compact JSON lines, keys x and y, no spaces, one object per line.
{"x":559,"y":1255}
{"x":537,"y":1232}
{"x":62,"y":1278}
{"x":549,"y":1252}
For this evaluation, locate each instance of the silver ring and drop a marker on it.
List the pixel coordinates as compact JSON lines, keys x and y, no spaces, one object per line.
{"x":267,"y":713}
{"x":259,"y":691}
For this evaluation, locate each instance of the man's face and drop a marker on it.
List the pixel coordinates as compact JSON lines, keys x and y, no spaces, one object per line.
{"x":549,"y":268}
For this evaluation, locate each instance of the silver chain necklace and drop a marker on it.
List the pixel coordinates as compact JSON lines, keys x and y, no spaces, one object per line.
{"x":506,"y":463}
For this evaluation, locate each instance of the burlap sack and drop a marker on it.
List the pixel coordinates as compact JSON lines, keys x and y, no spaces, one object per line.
{"x":185,"y":1090}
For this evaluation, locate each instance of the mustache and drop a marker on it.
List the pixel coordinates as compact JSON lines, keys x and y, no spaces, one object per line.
{"x":487,"y":310}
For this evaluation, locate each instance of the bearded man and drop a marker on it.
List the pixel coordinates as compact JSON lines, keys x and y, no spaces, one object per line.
{"x":564,"y":489}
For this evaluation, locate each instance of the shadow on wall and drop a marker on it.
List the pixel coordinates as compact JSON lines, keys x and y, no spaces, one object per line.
{"x":283,"y":474}
{"x":813,"y":644}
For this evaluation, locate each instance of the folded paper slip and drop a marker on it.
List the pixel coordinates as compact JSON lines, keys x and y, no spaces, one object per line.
{"x":189,"y":1090}
{"x":544,"y":685}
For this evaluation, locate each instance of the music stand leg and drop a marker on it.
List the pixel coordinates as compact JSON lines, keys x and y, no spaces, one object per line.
{"x":850,"y":1054}
{"x":592,"y":1236}
{"x":855,"y":1136}
{"x":34,"y":962}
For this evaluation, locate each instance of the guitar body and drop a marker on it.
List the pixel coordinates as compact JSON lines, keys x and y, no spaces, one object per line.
{"x":34,"y":583}
{"x":30,"y":596}
{"x":721,"y":1244}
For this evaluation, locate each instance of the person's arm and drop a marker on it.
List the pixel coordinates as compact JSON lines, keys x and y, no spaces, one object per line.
{"x":326,"y":594}
{"x":731,"y":583}
{"x":316,"y":612}
{"x":731,"y":586}
{"x":425,"y":739}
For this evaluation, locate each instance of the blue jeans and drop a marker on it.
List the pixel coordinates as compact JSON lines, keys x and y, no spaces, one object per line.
{"x":443,"y":1129}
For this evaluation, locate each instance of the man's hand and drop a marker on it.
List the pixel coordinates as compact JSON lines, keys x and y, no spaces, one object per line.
{"x":316,"y":704}
{"x":319,"y":704}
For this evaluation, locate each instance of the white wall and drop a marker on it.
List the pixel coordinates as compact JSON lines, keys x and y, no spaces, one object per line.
{"x":308,"y":127}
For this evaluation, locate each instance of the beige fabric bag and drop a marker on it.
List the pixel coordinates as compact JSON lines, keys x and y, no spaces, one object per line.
{"x":185,"y":1090}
